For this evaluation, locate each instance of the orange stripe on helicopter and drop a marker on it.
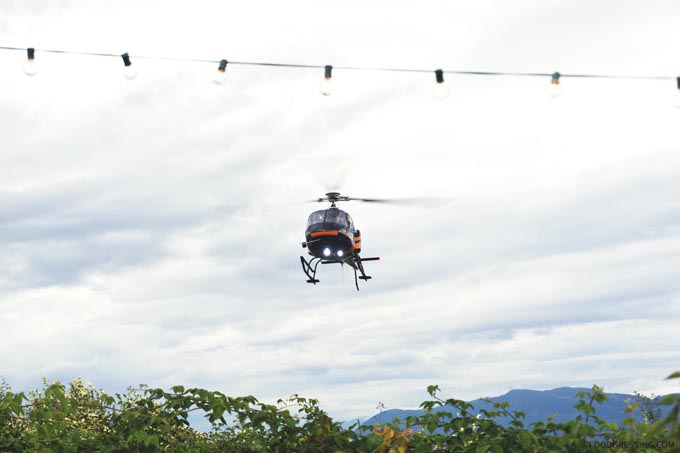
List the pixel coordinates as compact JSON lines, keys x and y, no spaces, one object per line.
{"x":323,"y":233}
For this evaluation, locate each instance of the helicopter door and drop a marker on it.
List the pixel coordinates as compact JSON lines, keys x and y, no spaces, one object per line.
{"x":350,"y":227}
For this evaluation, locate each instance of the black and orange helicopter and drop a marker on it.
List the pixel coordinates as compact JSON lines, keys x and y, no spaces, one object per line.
{"x":331,"y":237}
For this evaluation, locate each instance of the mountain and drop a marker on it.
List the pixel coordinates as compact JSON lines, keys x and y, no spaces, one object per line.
{"x":537,"y":406}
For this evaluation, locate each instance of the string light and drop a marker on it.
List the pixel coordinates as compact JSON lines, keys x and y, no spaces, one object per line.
{"x":221,"y":76}
{"x":440,"y":91}
{"x":554,"y":89}
{"x":326,"y":86}
{"x":30,"y":67}
{"x":128,"y":71}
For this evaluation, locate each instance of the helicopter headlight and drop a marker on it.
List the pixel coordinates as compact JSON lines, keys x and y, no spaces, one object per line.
{"x":340,"y":253}
{"x":326,"y":252}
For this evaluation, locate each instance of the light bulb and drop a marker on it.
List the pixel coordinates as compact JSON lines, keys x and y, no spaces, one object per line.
{"x":554,"y":89}
{"x":326,"y":86}
{"x":220,"y":77}
{"x":30,"y":67}
{"x":128,"y":71}
{"x":440,"y":90}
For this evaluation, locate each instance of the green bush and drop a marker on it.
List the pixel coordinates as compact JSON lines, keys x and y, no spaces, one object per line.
{"x":77,"y":417}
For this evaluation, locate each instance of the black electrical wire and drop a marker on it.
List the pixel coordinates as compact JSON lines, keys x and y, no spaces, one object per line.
{"x":356,"y":68}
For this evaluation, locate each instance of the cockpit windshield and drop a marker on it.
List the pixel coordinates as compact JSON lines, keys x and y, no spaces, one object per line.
{"x":328,"y":216}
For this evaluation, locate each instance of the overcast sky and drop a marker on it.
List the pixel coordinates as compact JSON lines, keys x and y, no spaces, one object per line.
{"x":150,"y":229}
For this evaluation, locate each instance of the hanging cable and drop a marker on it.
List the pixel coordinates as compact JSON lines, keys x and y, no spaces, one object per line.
{"x":359,"y":68}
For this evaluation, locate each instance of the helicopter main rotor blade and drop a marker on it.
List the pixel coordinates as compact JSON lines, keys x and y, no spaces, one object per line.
{"x":419,"y":202}
{"x":426,"y":202}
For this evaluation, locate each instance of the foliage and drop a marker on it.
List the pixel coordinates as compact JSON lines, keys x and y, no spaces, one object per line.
{"x":650,"y":407}
{"x":78,"y":417}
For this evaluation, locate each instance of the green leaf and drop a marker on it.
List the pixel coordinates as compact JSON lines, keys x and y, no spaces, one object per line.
{"x":432,"y":389}
{"x":525,"y":440}
{"x":675,"y":375}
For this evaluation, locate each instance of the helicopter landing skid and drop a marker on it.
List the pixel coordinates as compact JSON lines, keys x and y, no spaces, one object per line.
{"x":309,"y":268}
{"x":360,"y":267}
{"x":355,"y":261}
{"x":362,"y":277}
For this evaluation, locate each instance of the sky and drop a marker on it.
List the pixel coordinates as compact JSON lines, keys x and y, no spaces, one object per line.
{"x":150,"y":229}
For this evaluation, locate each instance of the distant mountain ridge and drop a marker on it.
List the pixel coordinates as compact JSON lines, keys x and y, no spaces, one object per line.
{"x":537,"y":405}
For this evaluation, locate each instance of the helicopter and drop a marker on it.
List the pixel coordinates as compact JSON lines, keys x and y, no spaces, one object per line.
{"x":332,"y":238}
